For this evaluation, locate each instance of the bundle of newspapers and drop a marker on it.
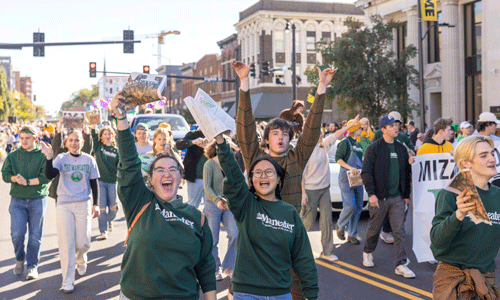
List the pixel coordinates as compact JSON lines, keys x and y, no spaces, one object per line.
{"x":142,"y":88}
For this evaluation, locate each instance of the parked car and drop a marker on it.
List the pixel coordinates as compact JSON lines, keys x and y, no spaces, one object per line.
{"x":177,"y":123}
{"x":334,"y":182}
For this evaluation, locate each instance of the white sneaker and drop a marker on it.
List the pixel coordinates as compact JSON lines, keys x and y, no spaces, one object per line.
{"x":332,"y":257}
{"x":81,"y":269}
{"x":404,"y":271}
{"x":68,"y":288}
{"x":32,"y":274}
{"x":19,"y":268}
{"x":218,"y":275}
{"x":368,"y":260}
{"x":388,"y":238}
{"x":103,"y":236}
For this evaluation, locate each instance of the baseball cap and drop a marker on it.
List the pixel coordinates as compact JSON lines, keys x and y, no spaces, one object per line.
{"x":465,"y":124}
{"x":28,"y":129}
{"x":488,"y":117}
{"x":142,"y":126}
{"x":396,"y":116}
{"x":386,"y":120}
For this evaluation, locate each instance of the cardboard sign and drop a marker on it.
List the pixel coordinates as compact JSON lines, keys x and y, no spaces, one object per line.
{"x":73,"y":119}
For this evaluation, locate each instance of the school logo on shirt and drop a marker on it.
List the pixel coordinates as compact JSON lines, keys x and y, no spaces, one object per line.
{"x":275,"y":224}
{"x":76,"y":176}
{"x":69,"y":168}
{"x":494,"y":218}
{"x":394,"y":155}
{"x":108,"y":153}
{"x":171,"y":217}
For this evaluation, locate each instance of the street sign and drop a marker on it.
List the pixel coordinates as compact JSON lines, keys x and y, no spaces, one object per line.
{"x":212,"y":79}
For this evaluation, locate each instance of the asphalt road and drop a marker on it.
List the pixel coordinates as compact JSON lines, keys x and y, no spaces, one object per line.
{"x":345,"y":279}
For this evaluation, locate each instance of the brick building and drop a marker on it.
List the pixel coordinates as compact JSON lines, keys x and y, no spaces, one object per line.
{"x":229,"y":52}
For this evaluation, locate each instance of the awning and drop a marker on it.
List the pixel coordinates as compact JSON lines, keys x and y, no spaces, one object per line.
{"x":267,"y":105}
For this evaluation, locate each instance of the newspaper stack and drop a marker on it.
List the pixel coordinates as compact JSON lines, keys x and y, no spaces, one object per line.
{"x":142,"y":88}
{"x":463,"y":181}
{"x":211,"y":118}
{"x":73,"y":119}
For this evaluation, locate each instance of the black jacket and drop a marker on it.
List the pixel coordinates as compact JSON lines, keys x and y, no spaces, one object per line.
{"x":193,"y":153}
{"x":376,"y":164}
{"x":413,"y":136}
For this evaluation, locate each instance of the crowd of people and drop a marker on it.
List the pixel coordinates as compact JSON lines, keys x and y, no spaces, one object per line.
{"x":265,"y":185}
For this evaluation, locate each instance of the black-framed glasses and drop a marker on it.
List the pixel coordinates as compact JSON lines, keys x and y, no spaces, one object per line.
{"x":259,"y":173}
{"x":173,"y":170}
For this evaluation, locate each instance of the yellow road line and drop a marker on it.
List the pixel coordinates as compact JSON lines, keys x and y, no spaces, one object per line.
{"x":386,"y":279}
{"x":369,"y":281}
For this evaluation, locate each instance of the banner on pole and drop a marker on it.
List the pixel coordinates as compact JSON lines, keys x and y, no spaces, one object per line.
{"x":429,"y":10}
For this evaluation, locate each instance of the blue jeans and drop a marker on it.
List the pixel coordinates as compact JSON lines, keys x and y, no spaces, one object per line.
{"x":215,"y":216}
{"x":107,"y":198}
{"x":244,"y":296}
{"x":32,"y":212}
{"x":352,"y":200}
{"x":195,"y":192}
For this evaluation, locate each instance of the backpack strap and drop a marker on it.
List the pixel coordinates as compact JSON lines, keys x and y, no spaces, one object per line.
{"x":135,"y":220}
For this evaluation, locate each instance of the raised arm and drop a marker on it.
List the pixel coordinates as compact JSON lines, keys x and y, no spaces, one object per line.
{"x":235,"y":187}
{"x":309,"y":138}
{"x":132,"y":191}
{"x":246,"y":130}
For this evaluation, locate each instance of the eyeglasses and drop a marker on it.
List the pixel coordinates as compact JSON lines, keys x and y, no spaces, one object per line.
{"x":173,"y":170}
{"x":259,"y":173}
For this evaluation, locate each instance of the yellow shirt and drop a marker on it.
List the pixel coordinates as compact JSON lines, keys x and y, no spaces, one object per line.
{"x":430,"y":148}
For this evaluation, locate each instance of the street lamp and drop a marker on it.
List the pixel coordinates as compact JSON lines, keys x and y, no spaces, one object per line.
{"x":160,"y":41}
{"x":294,"y":69}
{"x":421,"y":62}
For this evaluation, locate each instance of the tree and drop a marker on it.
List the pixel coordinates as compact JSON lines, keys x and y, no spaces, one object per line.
{"x":6,"y":99}
{"x":372,"y":79}
{"x":81,"y":98}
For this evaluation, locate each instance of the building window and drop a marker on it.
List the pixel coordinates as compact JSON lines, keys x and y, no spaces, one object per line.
{"x":402,"y":35}
{"x":434,"y":40}
{"x":311,"y":41}
{"x":278,"y":41}
{"x":472,"y":31}
{"x":326,"y":37}
{"x":111,"y":90}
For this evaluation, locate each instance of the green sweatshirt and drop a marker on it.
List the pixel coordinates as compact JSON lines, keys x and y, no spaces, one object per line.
{"x":169,"y":253}
{"x":30,"y":164}
{"x":463,"y":243}
{"x":344,"y":149}
{"x":402,"y":138}
{"x":295,"y":160}
{"x":271,"y":239}
{"x":106,"y":158}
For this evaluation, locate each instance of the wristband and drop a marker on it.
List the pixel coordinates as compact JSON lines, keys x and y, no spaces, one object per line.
{"x":120,"y":119}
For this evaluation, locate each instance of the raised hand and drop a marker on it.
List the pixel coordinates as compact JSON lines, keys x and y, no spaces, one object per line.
{"x":326,"y":75}
{"x":241,"y":69}
{"x":117,"y":106}
{"x":47,"y":150}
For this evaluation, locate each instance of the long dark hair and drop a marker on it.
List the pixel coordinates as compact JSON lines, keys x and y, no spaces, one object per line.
{"x":280,"y":172}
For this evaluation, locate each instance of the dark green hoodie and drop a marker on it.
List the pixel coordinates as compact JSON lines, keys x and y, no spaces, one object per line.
{"x":29,"y":164}
{"x":169,"y":254}
{"x":271,"y":239}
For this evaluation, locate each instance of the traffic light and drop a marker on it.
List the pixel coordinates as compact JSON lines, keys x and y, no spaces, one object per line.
{"x":252,"y":70}
{"x":265,"y":68}
{"x":92,"y":69}
{"x":38,"y":37}
{"x":128,"y":35}
{"x":145,"y":69}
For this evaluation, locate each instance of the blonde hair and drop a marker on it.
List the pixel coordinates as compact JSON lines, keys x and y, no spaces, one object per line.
{"x":162,"y":130}
{"x":112,"y":131}
{"x":466,"y":148}
{"x":369,"y":131}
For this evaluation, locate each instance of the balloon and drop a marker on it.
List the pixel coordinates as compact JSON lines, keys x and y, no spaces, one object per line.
{"x":151,"y":105}
{"x":161,"y":102}
{"x":157,"y":105}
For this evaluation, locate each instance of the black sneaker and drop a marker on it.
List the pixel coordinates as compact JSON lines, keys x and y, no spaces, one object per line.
{"x":353,"y":240}
{"x":340,"y":233}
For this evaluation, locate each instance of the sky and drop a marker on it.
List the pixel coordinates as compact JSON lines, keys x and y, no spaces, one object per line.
{"x":65,"y":69}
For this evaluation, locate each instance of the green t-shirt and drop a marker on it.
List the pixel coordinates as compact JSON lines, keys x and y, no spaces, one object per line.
{"x":106,"y":158}
{"x":393,"y":188}
{"x":344,"y":149}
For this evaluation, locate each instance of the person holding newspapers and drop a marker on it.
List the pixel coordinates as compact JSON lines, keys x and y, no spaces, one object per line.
{"x":466,"y":251}
{"x":169,"y":250}
{"x":272,"y":238}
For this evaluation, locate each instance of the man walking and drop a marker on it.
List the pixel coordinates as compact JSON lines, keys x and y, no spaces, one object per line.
{"x":386,"y":176}
{"x":24,"y":168}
